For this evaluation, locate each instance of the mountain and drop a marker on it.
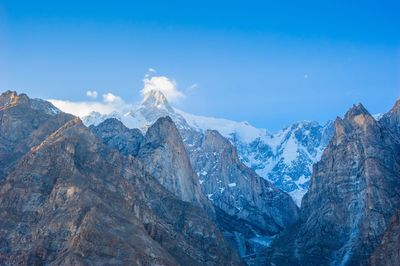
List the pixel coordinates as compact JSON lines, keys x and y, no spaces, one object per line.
{"x":236,"y":191}
{"x":354,"y":192}
{"x":233,"y":188}
{"x":284,"y":158}
{"x":72,"y":200}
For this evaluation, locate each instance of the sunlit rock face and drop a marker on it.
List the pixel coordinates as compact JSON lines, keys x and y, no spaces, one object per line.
{"x":354,"y":191}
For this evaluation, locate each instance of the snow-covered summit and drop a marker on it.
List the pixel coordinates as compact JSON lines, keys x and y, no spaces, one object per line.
{"x":155,"y":99}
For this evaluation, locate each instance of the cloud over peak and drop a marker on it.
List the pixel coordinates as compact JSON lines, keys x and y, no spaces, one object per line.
{"x":163,"y":84}
{"x":111,"y":102}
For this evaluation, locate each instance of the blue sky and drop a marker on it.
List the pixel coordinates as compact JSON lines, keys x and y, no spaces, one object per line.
{"x":267,"y":62}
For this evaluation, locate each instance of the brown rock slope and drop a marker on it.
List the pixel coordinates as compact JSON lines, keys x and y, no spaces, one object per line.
{"x":73,"y":201}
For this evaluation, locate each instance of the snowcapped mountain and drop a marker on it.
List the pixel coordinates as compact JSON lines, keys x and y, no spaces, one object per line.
{"x":285,"y":158}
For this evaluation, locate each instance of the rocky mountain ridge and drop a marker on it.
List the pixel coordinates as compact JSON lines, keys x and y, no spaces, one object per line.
{"x":71,"y":200}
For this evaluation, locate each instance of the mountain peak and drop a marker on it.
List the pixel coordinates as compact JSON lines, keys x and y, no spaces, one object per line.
{"x":358,"y":115}
{"x":356,"y":109}
{"x":12,"y":98}
{"x":155,"y":98}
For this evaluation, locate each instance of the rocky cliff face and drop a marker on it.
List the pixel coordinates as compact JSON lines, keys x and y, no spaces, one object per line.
{"x":164,"y":156}
{"x":388,"y":252}
{"x":241,"y":193}
{"x":73,"y":200}
{"x":354,"y":191}
{"x":162,"y":153}
{"x":25,"y":123}
{"x":238,"y":190}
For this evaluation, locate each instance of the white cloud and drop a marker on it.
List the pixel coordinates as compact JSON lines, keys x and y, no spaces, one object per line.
{"x":111,"y":98}
{"x":81,"y":108}
{"x":110,"y":104}
{"x":91,"y":94}
{"x":150,"y":72}
{"x":161,"y":83}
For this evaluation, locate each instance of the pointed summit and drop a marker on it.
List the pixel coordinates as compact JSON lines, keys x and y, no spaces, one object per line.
{"x":9,"y":98}
{"x":358,"y":116}
{"x":155,"y":99}
{"x":355,"y":110}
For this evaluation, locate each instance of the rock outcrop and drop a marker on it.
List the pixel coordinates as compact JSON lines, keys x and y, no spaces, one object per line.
{"x":354,"y":191}
{"x":70,"y":199}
